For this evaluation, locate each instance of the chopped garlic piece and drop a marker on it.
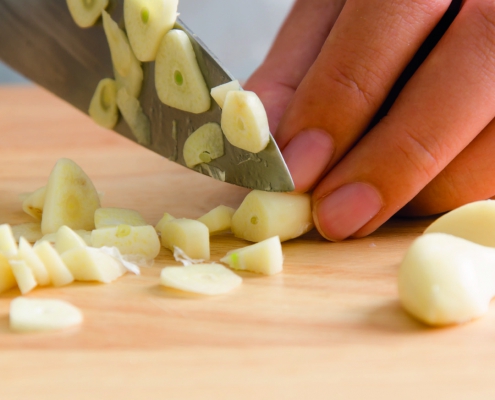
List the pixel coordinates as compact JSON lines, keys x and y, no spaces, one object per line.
{"x":31,"y":231}
{"x":7,"y":278}
{"x":218,"y":220}
{"x":136,"y":240}
{"x":90,"y":264}
{"x":264,"y":257}
{"x":23,"y":275}
{"x":8,"y":246}
{"x":86,"y":12}
{"x":189,"y":235}
{"x":113,"y":216}
{"x":263,"y":215}
{"x":209,"y":279}
{"x":220,"y":92}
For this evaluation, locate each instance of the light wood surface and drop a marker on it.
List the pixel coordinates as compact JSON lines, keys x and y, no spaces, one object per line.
{"x":328,"y":327}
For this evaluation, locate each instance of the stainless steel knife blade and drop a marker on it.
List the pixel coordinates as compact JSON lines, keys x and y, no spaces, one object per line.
{"x":39,"y":39}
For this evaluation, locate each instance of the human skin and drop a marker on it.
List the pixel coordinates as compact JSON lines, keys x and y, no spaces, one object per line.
{"x":327,"y":75}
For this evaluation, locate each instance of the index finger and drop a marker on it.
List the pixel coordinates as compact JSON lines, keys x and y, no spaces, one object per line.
{"x":368,"y":48}
{"x":295,"y":49}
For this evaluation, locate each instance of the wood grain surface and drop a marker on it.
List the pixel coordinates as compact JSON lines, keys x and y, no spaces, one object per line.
{"x":328,"y":327}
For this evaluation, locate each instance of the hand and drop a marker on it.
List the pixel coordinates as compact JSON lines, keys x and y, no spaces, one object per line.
{"x":329,"y":72}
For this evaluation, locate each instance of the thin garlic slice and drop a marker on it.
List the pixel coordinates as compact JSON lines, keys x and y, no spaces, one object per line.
{"x":39,"y":315}
{"x":85,"y":13}
{"x":209,"y":279}
{"x":178,"y":78}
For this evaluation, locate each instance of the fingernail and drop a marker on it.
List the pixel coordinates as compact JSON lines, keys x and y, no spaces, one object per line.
{"x":346,"y":210}
{"x":307,"y":155}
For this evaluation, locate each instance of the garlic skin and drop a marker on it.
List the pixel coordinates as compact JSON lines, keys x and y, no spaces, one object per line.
{"x":446,"y":280}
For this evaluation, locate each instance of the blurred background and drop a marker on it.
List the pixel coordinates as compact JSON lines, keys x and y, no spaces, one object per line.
{"x":239,"y":32}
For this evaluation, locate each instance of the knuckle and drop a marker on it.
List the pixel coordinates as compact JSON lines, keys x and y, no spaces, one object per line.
{"x":358,"y":81}
{"x":420,"y":152}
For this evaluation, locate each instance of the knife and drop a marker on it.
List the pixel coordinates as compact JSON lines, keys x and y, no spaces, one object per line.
{"x":39,"y":39}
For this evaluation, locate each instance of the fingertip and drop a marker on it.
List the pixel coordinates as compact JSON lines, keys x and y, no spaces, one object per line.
{"x":307,"y":156}
{"x":346,"y":210}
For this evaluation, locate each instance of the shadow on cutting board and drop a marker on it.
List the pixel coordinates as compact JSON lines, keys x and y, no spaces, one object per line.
{"x":391,"y":317}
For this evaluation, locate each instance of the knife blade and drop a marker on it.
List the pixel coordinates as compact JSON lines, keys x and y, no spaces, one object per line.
{"x":39,"y":39}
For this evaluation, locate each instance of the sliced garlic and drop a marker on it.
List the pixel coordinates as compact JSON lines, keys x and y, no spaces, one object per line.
{"x":86,"y":12}
{"x":103,"y":106}
{"x":7,"y":278}
{"x":135,"y":117}
{"x":264,"y":257}
{"x":31,"y":231}
{"x":90,"y":264}
{"x":57,"y":270}
{"x":8,"y":246}
{"x":244,"y":121}
{"x":33,"y":203}
{"x":113,"y":216}
{"x":23,"y":275}
{"x":133,"y":81}
{"x":29,"y":256}
{"x":218,"y":220}
{"x":178,"y":78}
{"x":146,"y":22}
{"x":204,"y":145}
{"x":134,"y":240}
{"x":209,"y":279}
{"x":219,"y":93}
{"x":38,"y":315}
{"x":120,"y":49}
{"x":66,"y":239}
{"x":263,"y":215}
{"x":71,"y":198}
{"x":163,"y":220}
{"x":189,"y":235}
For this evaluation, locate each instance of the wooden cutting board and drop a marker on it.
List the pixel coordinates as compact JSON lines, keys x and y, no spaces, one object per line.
{"x":330,"y":326}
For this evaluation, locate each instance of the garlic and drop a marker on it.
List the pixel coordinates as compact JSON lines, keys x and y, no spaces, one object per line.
{"x":38,"y":315}
{"x":209,"y":279}
{"x":445,"y":279}
{"x":264,"y":257}
{"x":474,"y":221}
